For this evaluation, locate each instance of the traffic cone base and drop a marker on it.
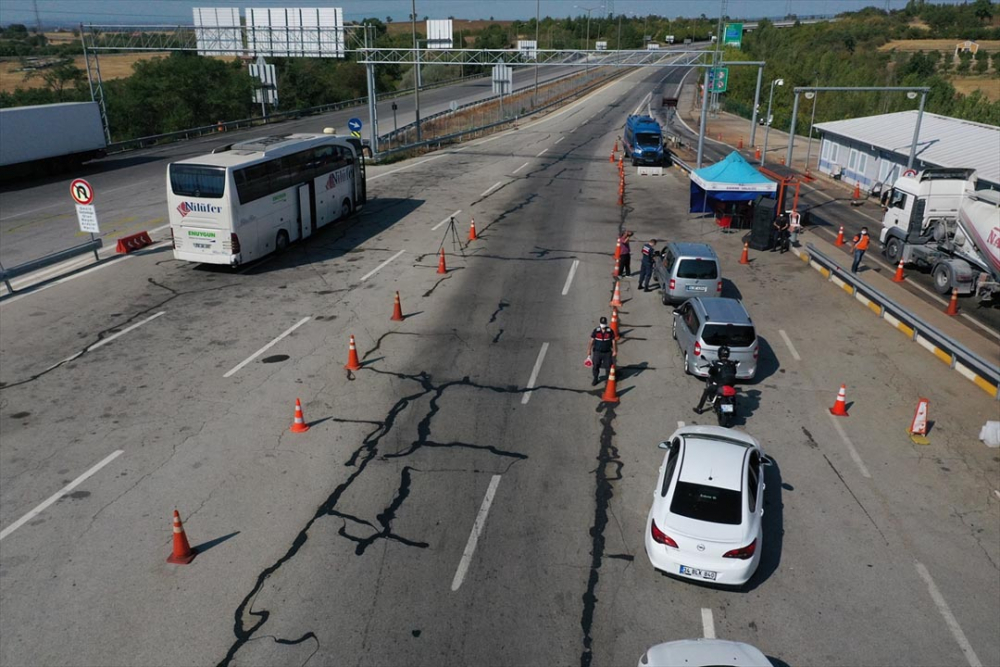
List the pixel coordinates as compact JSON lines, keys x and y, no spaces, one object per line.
{"x":442,"y":267}
{"x":745,"y":257}
{"x":397,"y":310}
{"x":299,"y":424}
{"x":610,"y":389}
{"x":839,"y":408}
{"x":353,"y":363}
{"x":182,"y":552}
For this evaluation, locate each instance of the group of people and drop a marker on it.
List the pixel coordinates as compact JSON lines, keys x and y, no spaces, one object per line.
{"x":625,"y":259}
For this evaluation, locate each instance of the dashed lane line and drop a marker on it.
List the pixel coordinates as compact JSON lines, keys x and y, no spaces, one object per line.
{"x":850,"y":447}
{"x":707,"y":623}
{"x":520,"y":168}
{"x":477,"y":528}
{"x":267,"y":347}
{"x":491,"y":189}
{"x":59,"y":494}
{"x":558,"y":140}
{"x":569,"y":278}
{"x":788,"y":342}
{"x":949,"y":618}
{"x":380,"y":266}
{"x":446,"y":220}
{"x":534,"y":373}
{"x":105,"y":341}
{"x":543,"y":151}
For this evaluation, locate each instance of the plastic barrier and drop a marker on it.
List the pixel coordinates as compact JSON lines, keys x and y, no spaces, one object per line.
{"x":127,"y":244}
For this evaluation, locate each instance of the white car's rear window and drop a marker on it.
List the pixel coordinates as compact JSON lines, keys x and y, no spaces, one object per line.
{"x":707,"y":503}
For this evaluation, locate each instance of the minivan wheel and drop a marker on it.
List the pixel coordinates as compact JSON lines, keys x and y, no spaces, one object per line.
{"x":663,"y":299}
{"x":673,"y":329}
{"x":687,"y":366}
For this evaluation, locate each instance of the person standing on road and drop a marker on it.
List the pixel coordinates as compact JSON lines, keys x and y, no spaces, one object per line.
{"x":778,"y":231}
{"x":646,"y":268}
{"x":626,"y":254}
{"x":860,"y":244}
{"x":602,"y":349}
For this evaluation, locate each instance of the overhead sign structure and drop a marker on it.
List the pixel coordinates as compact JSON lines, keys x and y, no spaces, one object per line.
{"x":81,"y":191}
{"x":733,"y":35}
{"x":718,"y":79}
{"x":316,"y":32}
{"x":268,"y":90}
{"x":355,"y":125}
{"x":528,"y":48}
{"x":503,"y":76}
{"x":218,"y":31}
{"x":439,"y":34}
{"x":86,"y":215}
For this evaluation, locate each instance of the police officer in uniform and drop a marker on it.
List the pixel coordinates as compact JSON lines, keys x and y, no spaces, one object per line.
{"x":721,"y":374}
{"x":602,"y":349}
{"x":646,"y":269}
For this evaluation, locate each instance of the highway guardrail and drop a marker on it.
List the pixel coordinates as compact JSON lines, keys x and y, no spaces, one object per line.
{"x":969,"y":364}
{"x":48,"y":260}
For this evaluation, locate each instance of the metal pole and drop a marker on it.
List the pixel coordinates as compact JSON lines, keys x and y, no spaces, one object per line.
{"x":587,"y":47}
{"x":416,"y":66}
{"x":372,"y":119}
{"x":538,"y":4}
{"x":756,"y":103}
{"x":767,"y":124}
{"x":619,"y":47}
{"x":704,"y":119}
{"x":791,"y":131}
{"x":812,"y":120}
{"x":916,"y":132}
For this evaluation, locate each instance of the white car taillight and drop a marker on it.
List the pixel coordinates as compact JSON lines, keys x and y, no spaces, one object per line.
{"x":697,"y":349}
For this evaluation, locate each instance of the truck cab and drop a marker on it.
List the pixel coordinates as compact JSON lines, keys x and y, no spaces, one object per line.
{"x":917,"y":202}
{"x":644,"y":141}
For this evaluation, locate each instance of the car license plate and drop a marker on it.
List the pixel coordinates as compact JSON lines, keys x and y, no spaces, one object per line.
{"x":203,"y":246}
{"x":726,"y":407}
{"x":696,"y":288}
{"x":695,"y":572}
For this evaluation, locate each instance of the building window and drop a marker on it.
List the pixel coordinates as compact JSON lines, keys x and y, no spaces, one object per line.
{"x":852,"y":161}
{"x":825,"y":154}
{"x":862,"y":163}
{"x":834,"y":153}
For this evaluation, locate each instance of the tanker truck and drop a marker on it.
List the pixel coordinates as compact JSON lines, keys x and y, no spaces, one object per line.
{"x":937,"y":221}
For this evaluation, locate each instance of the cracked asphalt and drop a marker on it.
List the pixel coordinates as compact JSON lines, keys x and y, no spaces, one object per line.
{"x":340,"y":546}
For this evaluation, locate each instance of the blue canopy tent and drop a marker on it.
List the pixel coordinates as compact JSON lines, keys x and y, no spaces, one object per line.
{"x":730,"y":180}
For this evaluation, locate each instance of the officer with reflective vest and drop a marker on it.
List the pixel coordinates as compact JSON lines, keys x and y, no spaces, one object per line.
{"x":860,"y":243}
{"x":646,"y":269}
{"x":602,"y":349}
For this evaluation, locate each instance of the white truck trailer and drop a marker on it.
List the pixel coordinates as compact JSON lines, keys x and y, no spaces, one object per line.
{"x":49,"y":138}
{"x":937,"y":220}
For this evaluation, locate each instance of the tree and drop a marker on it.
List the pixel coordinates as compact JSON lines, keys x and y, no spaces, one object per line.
{"x":983,"y":9}
{"x":60,"y":77}
{"x":982,"y":62}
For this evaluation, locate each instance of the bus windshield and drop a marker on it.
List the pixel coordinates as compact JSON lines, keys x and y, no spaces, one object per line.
{"x":647,"y":139}
{"x":191,"y":180}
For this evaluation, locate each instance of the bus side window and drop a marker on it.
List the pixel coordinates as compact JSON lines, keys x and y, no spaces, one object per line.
{"x":322,"y":157}
{"x":256,"y":183}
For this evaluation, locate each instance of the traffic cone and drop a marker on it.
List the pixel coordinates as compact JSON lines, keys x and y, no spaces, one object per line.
{"x":616,"y":299}
{"x":182,"y":553}
{"x":899,"y":277}
{"x":745,"y":257}
{"x":857,"y":192}
{"x":610,"y":393}
{"x":617,"y":271}
{"x":616,"y":147}
{"x":621,"y":197}
{"x":614,"y":323}
{"x":840,"y":237}
{"x":918,"y":427}
{"x":953,"y":304}
{"x":612,"y":158}
{"x":621,"y":162}
{"x":441,"y":265}
{"x":352,"y":357}
{"x":618,"y":248}
{"x":740,"y":144}
{"x":839,"y":408}
{"x":397,"y":310}
{"x":756,"y":154}
{"x":299,"y":425}
{"x":472,"y":230}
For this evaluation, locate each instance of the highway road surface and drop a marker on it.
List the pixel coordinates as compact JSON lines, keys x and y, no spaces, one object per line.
{"x":466,"y":497}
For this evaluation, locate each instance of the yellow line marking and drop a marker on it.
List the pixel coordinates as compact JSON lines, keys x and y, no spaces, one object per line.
{"x":942,"y":355}
{"x":985,"y":386}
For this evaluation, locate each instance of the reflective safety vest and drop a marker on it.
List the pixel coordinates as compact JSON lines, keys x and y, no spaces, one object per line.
{"x":602,"y":339}
{"x":861,"y":241}
{"x":647,"y":252}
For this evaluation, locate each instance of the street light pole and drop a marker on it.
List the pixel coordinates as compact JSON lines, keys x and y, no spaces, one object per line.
{"x":767,"y":118}
{"x":812,"y":120}
{"x":416,"y":66}
{"x":537,"y":14}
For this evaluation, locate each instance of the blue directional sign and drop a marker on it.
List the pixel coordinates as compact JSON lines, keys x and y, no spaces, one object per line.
{"x":354,"y":125}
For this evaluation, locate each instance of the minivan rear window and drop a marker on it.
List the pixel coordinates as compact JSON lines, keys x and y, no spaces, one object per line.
{"x":698,"y":269}
{"x":707,"y":503}
{"x":733,"y":335}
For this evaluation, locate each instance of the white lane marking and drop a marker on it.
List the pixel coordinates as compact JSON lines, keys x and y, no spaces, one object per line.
{"x":996,"y":493}
{"x":788,"y":342}
{"x":850,"y":447}
{"x":569,"y":278}
{"x":267,"y":347}
{"x":534,"y":373}
{"x":64,"y":280}
{"x":159,"y":229}
{"x":707,"y":623}
{"x":380,"y":266}
{"x":949,"y":618}
{"x":477,"y":528}
{"x":59,"y":494}
{"x":492,"y":188}
{"x":544,"y":150}
{"x":409,"y":166}
{"x":648,"y":96}
{"x":435,"y":227}
{"x":105,"y":341}
{"x":520,"y":168}
{"x":558,"y":140}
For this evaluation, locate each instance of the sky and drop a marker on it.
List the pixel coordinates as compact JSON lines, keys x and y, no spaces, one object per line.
{"x":178,"y":12}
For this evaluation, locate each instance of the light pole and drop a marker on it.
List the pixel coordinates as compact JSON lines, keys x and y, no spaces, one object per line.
{"x":767,"y":118}
{"x":537,"y":8}
{"x":416,"y":66}
{"x":812,"y":120}
{"x":587,"y":47}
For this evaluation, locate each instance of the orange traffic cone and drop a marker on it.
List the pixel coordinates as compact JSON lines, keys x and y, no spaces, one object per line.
{"x":353,"y":364}
{"x":756,"y":154}
{"x":618,"y":249}
{"x":182,"y":553}
{"x":952,"y":308}
{"x":441,"y":265}
{"x":621,"y":162}
{"x":612,"y":158}
{"x":299,"y":425}
{"x":857,"y":192}
{"x":614,"y":323}
{"x":745,"y":257}
{"x":397,"y":310}
{"x":840,"y":237}
{"x":618,"y":268}
{"x":610,"y":393}
{"x":616,"y":299}
{"x":740,"y":144}
{"x":899,"y":277}
{"x":472,"y":230}
{"x":839,"y":408}
{"x":616,"y":147}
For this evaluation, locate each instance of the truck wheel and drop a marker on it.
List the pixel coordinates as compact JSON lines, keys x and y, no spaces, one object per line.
{"x":942,"y":279}
{"x":894,"y":250}
{"x":281,"y":241}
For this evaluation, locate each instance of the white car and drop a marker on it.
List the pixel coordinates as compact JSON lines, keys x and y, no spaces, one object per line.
{"x":703,"y":652}
{"x":705,"y":521}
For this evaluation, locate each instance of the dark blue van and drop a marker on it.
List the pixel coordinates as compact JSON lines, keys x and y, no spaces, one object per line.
{"x":644,"y":141}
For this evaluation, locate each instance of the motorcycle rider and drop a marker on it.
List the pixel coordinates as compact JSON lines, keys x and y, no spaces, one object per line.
{"x":722,"y":373}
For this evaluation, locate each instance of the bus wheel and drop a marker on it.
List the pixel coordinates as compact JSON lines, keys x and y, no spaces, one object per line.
{"x":345,"y":209}
{"x":281,"y":242}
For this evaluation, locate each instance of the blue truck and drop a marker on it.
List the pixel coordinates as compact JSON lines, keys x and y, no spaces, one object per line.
{"x":644,"y":141}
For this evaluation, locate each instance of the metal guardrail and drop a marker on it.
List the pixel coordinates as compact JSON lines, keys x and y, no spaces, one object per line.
{"x":915,"y":327}
{"x":49,"y":260}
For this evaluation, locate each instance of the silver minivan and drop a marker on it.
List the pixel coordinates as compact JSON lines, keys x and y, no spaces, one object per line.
{"x":686,"y":270}
{"x":704,"y":324}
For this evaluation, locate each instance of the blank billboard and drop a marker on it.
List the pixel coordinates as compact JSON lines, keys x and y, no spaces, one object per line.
{"x":314,"y":32}
{"x":217,"y":31}
{"x":439,"y":34}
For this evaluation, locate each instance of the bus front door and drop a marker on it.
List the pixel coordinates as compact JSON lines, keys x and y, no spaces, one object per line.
{"x":305,"y":211}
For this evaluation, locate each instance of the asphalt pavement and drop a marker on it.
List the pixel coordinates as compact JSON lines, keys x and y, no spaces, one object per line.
{"x":466,"y":497}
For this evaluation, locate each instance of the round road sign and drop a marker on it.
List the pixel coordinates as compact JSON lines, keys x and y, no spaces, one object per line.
{"x":81,"y":191}
{"x":354,"y":125}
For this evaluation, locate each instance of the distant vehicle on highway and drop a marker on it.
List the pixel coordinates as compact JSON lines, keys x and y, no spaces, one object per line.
{"x":252,"y":198}
{"x":704,"y":653}
{"x":704,"y":324}
{"x":686,"y":270}
{"x":49,"y":138}
{"x":705,"y":520}
{"x":643,"y":140}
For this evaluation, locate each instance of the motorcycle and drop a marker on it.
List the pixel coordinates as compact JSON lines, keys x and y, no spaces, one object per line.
{"x":723,"y":402}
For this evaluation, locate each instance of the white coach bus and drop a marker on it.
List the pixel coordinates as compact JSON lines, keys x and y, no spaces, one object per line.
{"x":252,"y":198}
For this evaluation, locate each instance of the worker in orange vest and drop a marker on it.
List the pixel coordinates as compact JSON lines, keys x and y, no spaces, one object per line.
{"x":860,"y":244}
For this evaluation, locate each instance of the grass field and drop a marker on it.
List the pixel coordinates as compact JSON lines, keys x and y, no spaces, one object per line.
{"x":925,"y":45}
{"x":988,"y":85}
